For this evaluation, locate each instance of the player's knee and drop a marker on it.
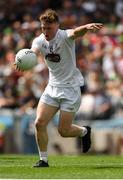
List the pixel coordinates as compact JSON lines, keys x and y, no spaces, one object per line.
{"x":39,"y":124}
{"x":63,"y":132}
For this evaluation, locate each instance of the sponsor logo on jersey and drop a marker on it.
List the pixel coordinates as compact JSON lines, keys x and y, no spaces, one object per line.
{"x":53,"y":57}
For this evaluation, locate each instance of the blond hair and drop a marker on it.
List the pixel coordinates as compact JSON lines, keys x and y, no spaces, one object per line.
{"x":49,"y":16}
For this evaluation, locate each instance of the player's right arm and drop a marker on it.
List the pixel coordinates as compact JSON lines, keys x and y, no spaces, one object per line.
{"x":36,"y":46}
{"x":35,"y":50}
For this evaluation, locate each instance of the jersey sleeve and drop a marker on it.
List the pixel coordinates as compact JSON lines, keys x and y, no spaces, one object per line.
{"x":68,"y":32}
{"x":36,"y":44}
{"x":67,"y":37}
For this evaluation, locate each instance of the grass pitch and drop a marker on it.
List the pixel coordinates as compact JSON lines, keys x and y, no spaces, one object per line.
{"x":62,"y":167}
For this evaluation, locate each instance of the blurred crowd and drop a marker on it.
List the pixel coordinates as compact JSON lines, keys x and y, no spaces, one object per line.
{"x":99,"y":55}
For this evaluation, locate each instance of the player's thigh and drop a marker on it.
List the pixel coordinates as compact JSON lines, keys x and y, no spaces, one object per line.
{"x":72,"y":99}
{"x":45,"y":112}
{"x":65,"y":119}
{"x":69,"y":106}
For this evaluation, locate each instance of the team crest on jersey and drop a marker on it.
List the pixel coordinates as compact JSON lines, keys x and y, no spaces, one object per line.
{"x":44,"y":46}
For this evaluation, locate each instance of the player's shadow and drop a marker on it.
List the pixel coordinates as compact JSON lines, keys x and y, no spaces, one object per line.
{"x":108,"y":167}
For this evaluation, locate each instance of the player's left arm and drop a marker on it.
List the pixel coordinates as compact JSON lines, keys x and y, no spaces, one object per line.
{"x":82,"y":30}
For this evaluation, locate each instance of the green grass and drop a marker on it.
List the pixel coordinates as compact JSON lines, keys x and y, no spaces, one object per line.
{"x":62,"y":167}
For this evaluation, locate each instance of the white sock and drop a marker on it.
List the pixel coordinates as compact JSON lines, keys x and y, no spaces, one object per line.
{"x":43,"y":155}
{"x":84,"y":131}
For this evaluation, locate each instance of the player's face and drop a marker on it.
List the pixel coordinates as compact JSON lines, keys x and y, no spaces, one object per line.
{"x":49,"y":30}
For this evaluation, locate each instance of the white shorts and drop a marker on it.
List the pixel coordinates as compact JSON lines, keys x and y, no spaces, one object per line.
{"x":65,"y":98}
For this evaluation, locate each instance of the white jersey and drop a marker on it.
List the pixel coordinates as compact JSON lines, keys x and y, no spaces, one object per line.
{"x":60,"y":58}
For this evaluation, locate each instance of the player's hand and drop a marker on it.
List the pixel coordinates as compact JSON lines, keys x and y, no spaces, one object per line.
{"x":94,"y":27}
{"x":14,"y":65}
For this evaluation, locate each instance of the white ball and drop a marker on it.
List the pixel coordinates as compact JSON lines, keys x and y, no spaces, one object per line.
{"x":25,"y":59}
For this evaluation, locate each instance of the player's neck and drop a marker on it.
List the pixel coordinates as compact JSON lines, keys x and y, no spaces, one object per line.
{"x":53,"y":38}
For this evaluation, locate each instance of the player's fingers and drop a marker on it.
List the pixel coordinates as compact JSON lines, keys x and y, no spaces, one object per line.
{"x":14,"y":66}
{"x":17,"y":68}
{"x":99,"y":26}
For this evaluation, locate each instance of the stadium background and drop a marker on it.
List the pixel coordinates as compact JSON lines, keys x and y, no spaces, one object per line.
{"x":99,"y":57}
